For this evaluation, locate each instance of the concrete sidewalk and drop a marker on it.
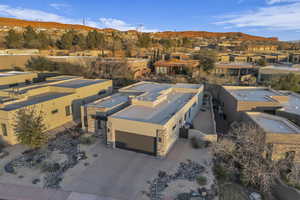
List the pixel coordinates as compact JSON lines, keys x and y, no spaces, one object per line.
{"x":17,"y":192}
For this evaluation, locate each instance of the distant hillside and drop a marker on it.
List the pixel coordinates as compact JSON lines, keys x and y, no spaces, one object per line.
{"x":11,"y":22}
{"x":205,"y":34}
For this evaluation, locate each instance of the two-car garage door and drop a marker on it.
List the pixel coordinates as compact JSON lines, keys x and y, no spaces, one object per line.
{"x":135,"y":142}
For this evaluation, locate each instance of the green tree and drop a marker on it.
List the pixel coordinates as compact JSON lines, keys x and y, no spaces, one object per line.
{"x":41,"y":64}
{"x":144,"y":40}
{"x":30,"y":38}
{"x":289,"y":82}
{"x":29,"y":127}
{"x":66,"y":41}
{"x":262,"y":62}
{"x":44,"y":40}
{"x":44,"y":64}
{"x":79,"y":40}
{"x":14,"y":40}
{"x":186,"y":42}
{"x":207,"y":60}
{"x":166,"y":43}
{"x":95,"y":40}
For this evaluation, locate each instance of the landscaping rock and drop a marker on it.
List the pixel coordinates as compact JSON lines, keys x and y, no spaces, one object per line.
{"x":9,"y":168}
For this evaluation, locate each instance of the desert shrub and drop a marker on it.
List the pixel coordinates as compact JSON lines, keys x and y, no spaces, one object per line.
{"x":87,"y":140}
{"x":221,"y":172}
{"x":201,"y":180}
{"x":49,"y":167}
{"x":198,"y":144}
{"x":183,"y":196}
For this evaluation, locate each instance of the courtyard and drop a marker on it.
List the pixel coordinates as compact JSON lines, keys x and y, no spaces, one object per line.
{"x":118,"y":174}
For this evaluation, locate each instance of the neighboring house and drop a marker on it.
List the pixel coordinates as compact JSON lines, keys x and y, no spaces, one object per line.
{"x":137,"y":66}
{"x":295,"y":58}
{"x":11,"y":78}
{"x":223,"y":58}
{"x":235,"y":100}
{"x":262,"y":48}
{"x":144,"y":117}
{"x":175,"y":66}
{"x":281,"y":136}
{"x":238,"y":58}
{"x":291,"y":109}
{"x":235,"y":69}
{"x":268,"y":73}
{"x":59,"y":99}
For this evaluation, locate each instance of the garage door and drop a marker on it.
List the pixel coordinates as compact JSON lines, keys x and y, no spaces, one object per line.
{"x":135,"y":142}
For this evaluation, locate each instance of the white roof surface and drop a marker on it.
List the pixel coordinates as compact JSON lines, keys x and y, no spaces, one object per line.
{"x":293,"y":105}
{"x":165,"y":102}
{"x":254,"y":94}
{"x":274,"y":124}
{"x":159,"y":114}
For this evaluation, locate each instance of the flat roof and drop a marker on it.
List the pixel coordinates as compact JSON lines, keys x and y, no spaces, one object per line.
{"x":254,"y":94}
{"x":34,"y":100}
{"x":14,"y":73}
{"x":63,"y":78}
{"x":149,"y":87}
{"x":78,"y":83}
{"x":111,"y":101}
{"x":281,"y":68}
{"x":158,"y":87}
{"x":158,"y":114}
{"x":274,"y":124}
{"x":293,"y":105}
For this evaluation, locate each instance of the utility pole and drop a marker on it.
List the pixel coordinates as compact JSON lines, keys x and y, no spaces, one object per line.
{"x":139,"y":27}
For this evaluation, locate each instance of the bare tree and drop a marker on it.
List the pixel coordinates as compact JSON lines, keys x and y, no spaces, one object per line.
{"x":110,"y":69}
{"x":244,"y":153}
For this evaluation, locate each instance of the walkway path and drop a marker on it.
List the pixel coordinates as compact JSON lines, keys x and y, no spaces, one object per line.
{"x":18,"y":192}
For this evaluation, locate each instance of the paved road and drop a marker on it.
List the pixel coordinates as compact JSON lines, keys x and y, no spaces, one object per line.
{"x":17,"y":192}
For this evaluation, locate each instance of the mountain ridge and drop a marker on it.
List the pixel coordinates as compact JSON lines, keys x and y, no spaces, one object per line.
{"x":13,"y":22}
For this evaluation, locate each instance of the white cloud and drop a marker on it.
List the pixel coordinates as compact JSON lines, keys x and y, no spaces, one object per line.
{"x":271,"y":2}
{"x":121,"y":25}
{"x":60,"y":6}
{"x":31,"y":14}
{"x":276,"y":17}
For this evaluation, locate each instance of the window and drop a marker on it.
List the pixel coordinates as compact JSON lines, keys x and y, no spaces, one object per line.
{"x":85,"y":121}
{"x":101,"y":92}
{"x":99,"y":124}
{"x":68,"y":111}
{"x":4,"y":129}
{"x":290,"y":155}
{"x":174,"y":127}
{"x":54,"y":111}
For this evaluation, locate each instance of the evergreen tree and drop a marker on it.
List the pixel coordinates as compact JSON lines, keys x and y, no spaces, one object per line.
{"x":66,"y":41}
{"x":30,"y":38}
{"x":91,"y":40}
{"x":30,"y":128}
{"x":207,"y":60}
{"x":144,"y":40}
{"x":81,"y":41}
{"x":44,"y":40}
{"x":14,"y":40}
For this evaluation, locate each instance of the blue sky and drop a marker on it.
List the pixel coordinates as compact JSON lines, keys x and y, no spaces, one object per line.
{"x":280,"y":18}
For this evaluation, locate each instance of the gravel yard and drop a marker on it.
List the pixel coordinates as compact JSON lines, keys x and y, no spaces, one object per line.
{"x":91,"y":168}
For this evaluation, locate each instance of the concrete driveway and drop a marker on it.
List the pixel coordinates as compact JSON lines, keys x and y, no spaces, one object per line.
{"x":123,"y":174}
